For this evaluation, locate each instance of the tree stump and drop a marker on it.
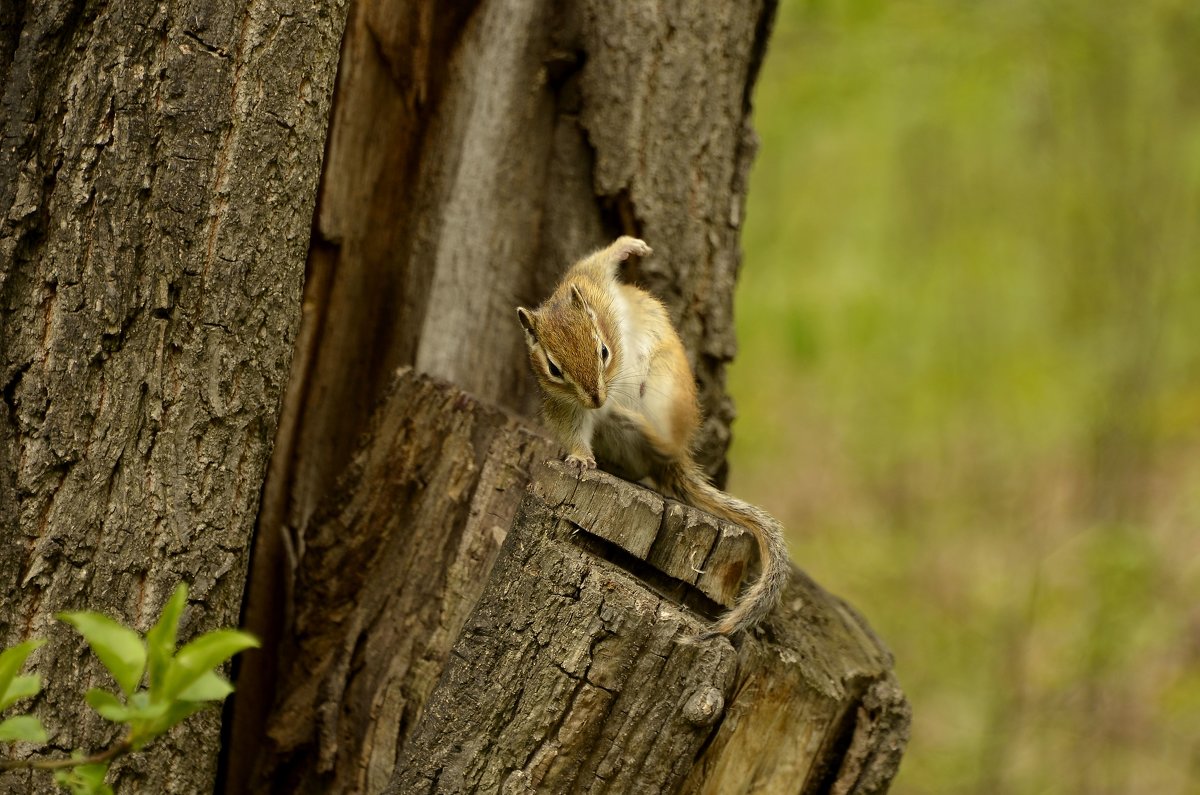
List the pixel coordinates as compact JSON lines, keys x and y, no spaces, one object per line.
{"x":578,"y":670}
{"x":444,"y":661}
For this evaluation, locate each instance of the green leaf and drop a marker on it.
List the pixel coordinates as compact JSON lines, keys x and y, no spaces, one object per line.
{"x":202,"y":655}
{"x":109,"y":707}
{"x":172,"y":713}
{"x":141,"y":707}
{"x":211,"y":686}
{"x":118,"y":647}
{"x":165,"y":715}
{"x":148,"y":718}
{"x":23,"y":727}
{"x":180,"y":710}
{"x":85,"y":779}
{"x":20,"y":687}
{"x":92,"y":777}
{"x":12,"y":660}
{"x":160,"y":640}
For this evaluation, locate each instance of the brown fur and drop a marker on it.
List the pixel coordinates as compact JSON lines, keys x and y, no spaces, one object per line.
{"x":639,"y":405}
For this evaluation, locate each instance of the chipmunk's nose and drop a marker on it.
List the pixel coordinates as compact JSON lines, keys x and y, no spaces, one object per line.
{"x":596,"y":401}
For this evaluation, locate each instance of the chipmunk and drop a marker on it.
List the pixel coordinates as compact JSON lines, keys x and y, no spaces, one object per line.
{"x":617,"y":384}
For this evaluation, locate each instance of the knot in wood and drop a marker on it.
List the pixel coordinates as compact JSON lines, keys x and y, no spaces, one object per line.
{"x":704,"y":706}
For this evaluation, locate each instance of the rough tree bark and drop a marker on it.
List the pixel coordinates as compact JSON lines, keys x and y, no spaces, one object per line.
{"x":159,"y":163}
{"x":475,"y":150}
{"x":158,"y":167}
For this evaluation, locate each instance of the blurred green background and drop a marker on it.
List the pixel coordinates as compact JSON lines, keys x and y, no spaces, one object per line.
{"x":969,"y":373}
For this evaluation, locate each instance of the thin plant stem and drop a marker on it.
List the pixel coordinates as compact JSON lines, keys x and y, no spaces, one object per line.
{"x":112,"y":752}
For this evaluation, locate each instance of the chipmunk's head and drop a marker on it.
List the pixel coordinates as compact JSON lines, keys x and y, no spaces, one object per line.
{"x":573,"y":349}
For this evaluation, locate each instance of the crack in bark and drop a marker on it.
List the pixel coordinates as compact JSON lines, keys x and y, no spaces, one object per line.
{"x":211,"y":49}
{"x":676,"y":591}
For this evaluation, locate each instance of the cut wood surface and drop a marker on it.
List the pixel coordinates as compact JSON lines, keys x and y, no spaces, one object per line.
{"x":574,"y":656}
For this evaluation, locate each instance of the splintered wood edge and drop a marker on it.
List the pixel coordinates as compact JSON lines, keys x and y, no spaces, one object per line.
{"x":684,"y":543}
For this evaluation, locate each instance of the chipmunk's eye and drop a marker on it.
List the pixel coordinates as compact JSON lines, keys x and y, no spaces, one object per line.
{"x":603,"y":352}
{"x":554,"y":371}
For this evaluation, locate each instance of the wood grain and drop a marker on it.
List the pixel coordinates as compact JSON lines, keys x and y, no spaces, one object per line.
{"x":397,"y":558}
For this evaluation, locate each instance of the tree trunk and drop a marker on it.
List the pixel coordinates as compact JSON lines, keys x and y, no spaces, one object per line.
{"x":475,"y":151}
{"x":158,"y":174}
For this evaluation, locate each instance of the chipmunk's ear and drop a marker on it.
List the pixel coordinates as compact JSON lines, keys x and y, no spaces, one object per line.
{"x":577,"y":297}
{"x":527,"y":322}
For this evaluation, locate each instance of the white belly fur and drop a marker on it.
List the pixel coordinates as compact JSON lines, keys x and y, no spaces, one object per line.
{"x":616,"y":441}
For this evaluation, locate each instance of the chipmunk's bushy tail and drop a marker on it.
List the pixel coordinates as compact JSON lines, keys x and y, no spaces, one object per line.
{"x":688,"y":483}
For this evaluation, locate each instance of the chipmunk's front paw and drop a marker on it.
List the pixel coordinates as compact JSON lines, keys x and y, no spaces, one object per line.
{"x":582,"y":463}
{"x":626,"y":245}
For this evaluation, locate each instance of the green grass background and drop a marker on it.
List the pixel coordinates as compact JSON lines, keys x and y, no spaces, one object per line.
{"x":969,"y":370}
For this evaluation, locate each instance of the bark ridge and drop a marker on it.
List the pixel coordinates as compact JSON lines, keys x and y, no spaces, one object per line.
{"x":158,"y":174}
